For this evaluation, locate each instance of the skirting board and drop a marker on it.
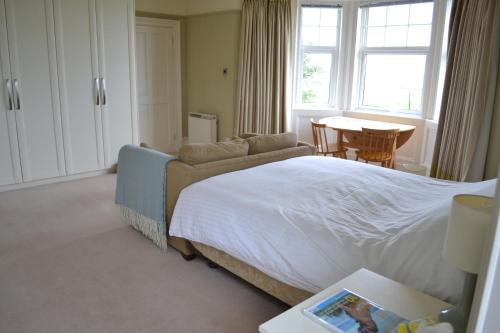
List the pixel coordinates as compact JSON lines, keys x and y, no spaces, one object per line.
{"x":19,"y":186}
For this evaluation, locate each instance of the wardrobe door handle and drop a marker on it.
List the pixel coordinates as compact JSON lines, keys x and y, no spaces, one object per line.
{"x":17,"y":100}
{"x":8,"y":93}
{"x":103,"y":91}
{"x":97,"y":91}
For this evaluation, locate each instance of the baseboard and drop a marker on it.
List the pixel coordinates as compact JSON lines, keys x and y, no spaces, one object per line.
{"x":54,"y":180}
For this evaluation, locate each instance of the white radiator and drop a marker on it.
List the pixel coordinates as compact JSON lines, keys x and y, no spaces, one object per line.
{"x":202,"y":127}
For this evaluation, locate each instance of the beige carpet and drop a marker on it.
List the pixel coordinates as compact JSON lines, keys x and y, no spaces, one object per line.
{"x":68,"y":264}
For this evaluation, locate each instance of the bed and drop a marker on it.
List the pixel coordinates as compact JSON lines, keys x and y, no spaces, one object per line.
{"x":296,"y":226}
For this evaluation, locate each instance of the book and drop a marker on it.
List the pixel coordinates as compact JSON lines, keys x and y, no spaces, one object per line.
{"x":347,"y":312}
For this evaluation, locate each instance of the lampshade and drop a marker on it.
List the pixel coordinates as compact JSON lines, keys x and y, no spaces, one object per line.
{"x":467,"y":226}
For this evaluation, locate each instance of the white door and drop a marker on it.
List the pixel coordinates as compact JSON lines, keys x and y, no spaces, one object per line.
{"x":10,"y":167}
{"x":76,"y":44}
{"x":159,"y":83}
{"x":34,"y":80}
{"x":115,"y":23}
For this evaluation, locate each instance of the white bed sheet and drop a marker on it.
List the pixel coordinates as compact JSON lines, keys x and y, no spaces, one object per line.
{"x":311,"y":221}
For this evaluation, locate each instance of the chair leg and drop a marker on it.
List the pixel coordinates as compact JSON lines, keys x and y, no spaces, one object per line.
{"x":357,"y":158}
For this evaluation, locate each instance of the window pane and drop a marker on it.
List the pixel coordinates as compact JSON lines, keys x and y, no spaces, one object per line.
{"x":421,"y":13}
{"x":319,"y":26}
{"x":329,"y":17}
{"x":419,"y":35}
{"x":310,"y":16}
{"x":398,"y":15}
{"x":375,"y":37}
{"x":316,"y":78}
{"x":310,"y":35}
{"x":327,"y":36}
{"x":404,"y":25}
{"x":376,"y":16}
{"x":396,"y":36}
{"x":394,"y":82}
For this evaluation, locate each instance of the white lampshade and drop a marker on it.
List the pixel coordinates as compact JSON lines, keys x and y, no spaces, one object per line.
{"x":467,"y":227}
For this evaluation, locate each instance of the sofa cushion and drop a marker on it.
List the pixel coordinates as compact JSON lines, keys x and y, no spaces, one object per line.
{"x":197,"y":153}
{"x":270,"y":142}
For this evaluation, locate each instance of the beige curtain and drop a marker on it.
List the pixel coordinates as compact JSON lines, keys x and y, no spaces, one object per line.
{"x":472,"y":55}
{"x":263,"y":66}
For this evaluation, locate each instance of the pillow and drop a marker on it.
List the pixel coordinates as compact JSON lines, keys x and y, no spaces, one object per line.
{"x":270,"y":142}
{"x":197,"y":153}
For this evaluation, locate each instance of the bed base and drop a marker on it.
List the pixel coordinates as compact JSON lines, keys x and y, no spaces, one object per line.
{"x":282,"y":291}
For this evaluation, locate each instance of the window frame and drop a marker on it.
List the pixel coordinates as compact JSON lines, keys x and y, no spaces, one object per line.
{"x":334,"y":51}
{"x":363,"y":51}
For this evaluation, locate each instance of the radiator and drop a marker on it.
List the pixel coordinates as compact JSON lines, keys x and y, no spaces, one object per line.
{"x":202,"y":127}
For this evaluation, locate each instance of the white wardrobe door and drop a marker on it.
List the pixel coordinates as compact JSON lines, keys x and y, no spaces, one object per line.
{"x":32,"y":59}
{"x":114,"y":21}
{"x":10,"y":167}
{"x":76,"y":43}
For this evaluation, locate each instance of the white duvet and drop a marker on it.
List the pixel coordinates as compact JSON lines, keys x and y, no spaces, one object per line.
{"x":311,"y":221}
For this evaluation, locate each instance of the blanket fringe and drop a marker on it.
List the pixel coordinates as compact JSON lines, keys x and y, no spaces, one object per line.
{"x":152,"y":229}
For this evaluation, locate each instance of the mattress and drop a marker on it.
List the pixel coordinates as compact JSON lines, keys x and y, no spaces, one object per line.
{"x":311,"y":221}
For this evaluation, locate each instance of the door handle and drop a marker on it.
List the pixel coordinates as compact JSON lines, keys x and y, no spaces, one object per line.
{"x":103,"y":91}
{"x":8,"y":94}
{"x":97,"y":91}
{"x":17,"y":99}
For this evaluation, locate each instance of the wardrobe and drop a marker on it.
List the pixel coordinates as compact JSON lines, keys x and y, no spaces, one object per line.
{"x":68,"y":99}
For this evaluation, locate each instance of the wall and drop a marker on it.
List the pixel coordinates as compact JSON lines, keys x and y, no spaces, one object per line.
{"x":209,"y":43}
{"x":204,"y":6}
{"x":171,"y":7}
{"x":212,"y":44}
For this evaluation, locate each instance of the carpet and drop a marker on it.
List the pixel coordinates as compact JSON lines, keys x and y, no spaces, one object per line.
{"x":69,"y":264}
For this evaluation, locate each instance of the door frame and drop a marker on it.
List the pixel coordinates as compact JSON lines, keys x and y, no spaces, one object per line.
{"x":177,"y":102}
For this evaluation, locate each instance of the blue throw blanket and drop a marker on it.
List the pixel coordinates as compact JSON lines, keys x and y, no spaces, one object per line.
{"x":142,"y":181}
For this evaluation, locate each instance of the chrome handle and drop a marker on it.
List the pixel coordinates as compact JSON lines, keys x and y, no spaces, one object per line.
{"x":97,"y":91}
{"x":17,"y":100}
{"x":103,"y":91}
{"x":8,"y":93}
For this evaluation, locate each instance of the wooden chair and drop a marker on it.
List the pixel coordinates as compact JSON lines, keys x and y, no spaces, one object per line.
{"x":378,"y":146}
{"x":321,"y":142}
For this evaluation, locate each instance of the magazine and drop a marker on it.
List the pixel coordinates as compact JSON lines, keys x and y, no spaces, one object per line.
{"x":346,"y":312}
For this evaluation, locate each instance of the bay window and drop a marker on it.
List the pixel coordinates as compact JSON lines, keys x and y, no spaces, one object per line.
{"x":385,"y":52}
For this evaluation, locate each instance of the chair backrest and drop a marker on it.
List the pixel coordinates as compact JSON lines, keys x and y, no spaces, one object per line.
{"x":378,"y":141}
{"x":319,"y":136}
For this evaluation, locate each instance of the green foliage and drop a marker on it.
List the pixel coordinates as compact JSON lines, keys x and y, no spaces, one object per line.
{"x":309,"y":71}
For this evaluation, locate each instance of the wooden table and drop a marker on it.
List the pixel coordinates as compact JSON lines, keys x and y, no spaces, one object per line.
{"x":350,"y":129}
{"x":393,"y":296}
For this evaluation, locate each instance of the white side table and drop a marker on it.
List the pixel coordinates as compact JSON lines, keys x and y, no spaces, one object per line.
{"x":393,"y":296}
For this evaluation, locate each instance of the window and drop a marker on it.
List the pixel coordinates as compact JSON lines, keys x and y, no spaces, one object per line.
{"x":318,"y":44}
{"x":370,"y":55}
{"x":394,"y":43}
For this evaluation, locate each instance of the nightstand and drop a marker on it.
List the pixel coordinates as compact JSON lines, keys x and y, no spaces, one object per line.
{"x":393,"y":296}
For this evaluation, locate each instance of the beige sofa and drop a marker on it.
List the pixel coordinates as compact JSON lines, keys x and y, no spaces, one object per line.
{"x":181,"y":175}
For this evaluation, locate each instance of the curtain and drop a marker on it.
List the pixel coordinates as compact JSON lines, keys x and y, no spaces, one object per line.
{"x":472,"y":55}
{"x":263,"y":66}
